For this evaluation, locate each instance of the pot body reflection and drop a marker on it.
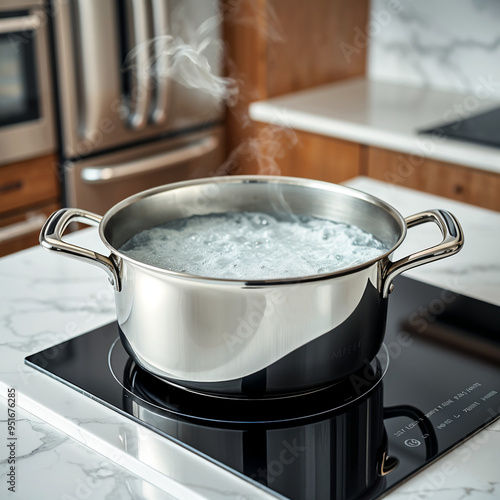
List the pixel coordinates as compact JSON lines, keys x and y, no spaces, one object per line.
{"x":339,"y":454}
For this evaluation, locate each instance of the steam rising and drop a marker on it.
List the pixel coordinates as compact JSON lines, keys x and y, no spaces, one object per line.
{"x":187,"y":56}
{"x":269,"y":145}
{"x":185,"y":59}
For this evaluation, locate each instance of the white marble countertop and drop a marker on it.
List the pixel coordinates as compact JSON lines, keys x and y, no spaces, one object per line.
{"x":386,"y":115}
{"x":70,"y":447}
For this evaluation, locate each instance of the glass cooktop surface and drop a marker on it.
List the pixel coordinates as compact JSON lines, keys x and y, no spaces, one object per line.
{"x":482,"y":128}
{"x":434,"y":383}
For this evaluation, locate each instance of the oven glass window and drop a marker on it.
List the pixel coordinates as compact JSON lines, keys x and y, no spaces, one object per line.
{"x":18,"y":81}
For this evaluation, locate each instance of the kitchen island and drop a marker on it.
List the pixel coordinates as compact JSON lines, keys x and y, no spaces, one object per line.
{"x":68,"y":446}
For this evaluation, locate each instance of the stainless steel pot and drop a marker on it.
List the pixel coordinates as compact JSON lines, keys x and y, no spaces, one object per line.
{"x":252,"y":337}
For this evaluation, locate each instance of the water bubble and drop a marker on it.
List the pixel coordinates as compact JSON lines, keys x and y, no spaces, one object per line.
{"x":259,"y":220}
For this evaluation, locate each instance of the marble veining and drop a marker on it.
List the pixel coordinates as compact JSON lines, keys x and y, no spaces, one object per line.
{"x":50,"y":467}
{"x":46,"y":299}
{"x":445,"y":45}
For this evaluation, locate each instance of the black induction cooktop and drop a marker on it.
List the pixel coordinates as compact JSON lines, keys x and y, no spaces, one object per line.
{"x":481,"y":128}
{"x":434,"y":383}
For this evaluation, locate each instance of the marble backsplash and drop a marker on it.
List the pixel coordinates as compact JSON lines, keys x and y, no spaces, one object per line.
{"x":445,"y":44}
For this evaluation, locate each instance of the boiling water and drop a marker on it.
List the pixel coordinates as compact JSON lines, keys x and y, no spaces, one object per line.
{"x":252,"y":245}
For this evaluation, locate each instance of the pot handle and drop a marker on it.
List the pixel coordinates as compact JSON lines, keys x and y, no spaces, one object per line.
{"x":51,"y":239}
{"x":453,"y":240}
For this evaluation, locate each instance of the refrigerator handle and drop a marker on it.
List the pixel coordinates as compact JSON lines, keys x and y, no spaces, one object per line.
{"x":162,"y":59}
{"x":140,"y":98}
{"x":121,"y":171}
{"x":89,"y":66}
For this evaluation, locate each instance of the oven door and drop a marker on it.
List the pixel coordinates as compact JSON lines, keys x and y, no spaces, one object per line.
{"x":27,"y":126}
{"x":98,"y":183}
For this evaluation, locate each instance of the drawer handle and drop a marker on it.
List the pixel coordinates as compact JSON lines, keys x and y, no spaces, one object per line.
{"x":32,"y":224}
{"x":13,"y":186}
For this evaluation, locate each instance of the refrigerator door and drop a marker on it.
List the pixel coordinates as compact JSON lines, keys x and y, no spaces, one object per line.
{"x":118,"y":84}
{"x":98,"y":183}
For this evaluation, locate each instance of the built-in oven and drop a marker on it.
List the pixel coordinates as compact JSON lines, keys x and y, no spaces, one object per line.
{"x":27,"y":127}
{"x":136,"y":105}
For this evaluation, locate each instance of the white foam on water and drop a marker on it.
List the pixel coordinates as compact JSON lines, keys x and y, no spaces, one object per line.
{"x":253,"y":246}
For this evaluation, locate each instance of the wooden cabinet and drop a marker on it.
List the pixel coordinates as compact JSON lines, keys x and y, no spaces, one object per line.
{"x":469,"y":185}
{"x":29,"y":192}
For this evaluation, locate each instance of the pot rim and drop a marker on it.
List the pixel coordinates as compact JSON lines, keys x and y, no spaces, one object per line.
{"x":264,"y":179}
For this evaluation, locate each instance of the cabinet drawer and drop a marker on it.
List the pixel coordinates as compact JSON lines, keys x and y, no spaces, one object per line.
{"x":460,"y":183}
{"x":22,"y":230}
{"x":28,"y":183}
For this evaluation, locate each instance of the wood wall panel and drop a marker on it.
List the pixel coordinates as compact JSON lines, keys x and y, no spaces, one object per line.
{"x":466,"y":184}
{"x":244,"y":28}
{"x":310,"y":50}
